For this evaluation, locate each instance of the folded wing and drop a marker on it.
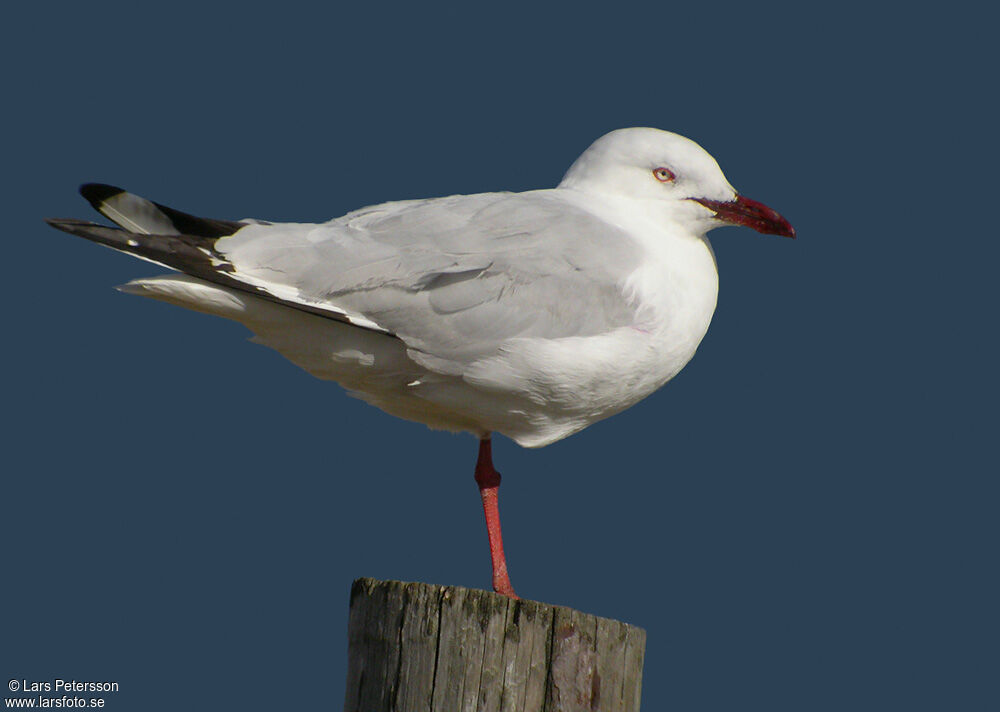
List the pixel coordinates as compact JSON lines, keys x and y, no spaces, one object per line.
{"x":454,"y":277}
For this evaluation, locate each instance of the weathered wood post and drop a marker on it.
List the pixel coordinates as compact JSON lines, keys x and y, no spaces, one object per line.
{"x":415,"y":647}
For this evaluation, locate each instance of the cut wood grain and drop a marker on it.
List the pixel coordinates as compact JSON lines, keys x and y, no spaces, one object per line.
{"x":415,"y":647}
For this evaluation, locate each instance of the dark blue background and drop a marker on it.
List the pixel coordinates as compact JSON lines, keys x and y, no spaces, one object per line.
{"x":805,"y":519}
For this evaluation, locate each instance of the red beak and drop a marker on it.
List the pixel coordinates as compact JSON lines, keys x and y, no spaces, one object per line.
{"x":749,"y":213}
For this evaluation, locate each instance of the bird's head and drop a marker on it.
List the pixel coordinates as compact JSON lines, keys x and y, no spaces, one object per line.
{"x":650,"y":164}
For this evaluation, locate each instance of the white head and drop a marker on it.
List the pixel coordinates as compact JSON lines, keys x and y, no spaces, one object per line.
{"x":650,"y":164}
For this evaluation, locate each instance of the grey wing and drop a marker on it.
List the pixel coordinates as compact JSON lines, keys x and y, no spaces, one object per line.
{"x":452,"y":277}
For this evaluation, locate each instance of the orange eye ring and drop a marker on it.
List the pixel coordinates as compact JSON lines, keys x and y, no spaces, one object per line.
{"x":664,"y":175}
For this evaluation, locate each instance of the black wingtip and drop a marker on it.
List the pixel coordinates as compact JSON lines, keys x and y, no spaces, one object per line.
{"x":73,"y":226}
{"x":97,"y":193}
{"x":60,"y":223}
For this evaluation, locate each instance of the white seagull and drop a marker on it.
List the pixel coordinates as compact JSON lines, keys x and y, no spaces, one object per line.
{"x":528,"y":314}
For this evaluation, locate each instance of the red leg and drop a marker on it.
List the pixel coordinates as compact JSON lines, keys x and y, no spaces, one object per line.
{"x":488,"y":480}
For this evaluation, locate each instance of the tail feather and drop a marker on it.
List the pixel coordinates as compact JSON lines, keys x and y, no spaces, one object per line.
{"x":138,"y":215}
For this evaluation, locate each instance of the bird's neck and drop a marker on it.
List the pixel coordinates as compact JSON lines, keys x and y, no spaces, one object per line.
{"x":677,"y":284}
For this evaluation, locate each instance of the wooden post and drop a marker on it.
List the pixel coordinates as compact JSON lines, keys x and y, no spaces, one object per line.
{"x":415,"y":647}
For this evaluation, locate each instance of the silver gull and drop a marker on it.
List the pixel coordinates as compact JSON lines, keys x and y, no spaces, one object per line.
{"x":529,"y":314}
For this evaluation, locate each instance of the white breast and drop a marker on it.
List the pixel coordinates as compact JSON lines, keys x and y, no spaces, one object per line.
{"x":542,"y":390}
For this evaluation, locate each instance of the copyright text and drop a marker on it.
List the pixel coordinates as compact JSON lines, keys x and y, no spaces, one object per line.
{"x":63,"y":697}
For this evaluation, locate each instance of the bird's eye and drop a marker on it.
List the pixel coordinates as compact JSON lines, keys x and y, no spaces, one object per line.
{"x":664,"y":175}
